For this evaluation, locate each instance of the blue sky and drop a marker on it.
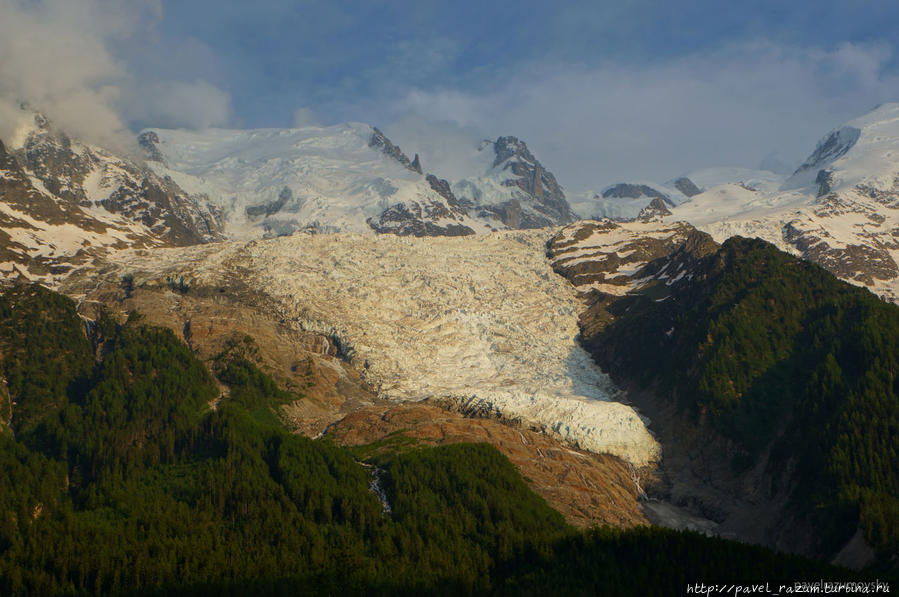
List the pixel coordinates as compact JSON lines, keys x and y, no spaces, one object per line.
{"x":338,"y":58}
{"x":601,"y":91}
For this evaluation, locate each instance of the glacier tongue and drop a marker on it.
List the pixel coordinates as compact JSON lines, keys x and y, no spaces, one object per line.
{"x":481,"y":322}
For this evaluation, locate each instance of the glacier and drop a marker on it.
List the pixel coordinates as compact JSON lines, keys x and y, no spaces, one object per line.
{"x":481,"y":324}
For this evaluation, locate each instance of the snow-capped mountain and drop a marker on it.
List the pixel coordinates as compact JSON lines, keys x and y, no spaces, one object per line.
{"x":274,"y":182}
{"x":352,"y":178}
{"x":839,"y":209}
{"x":626,"y":201}
{"x":62,"y":200}
{"x":513,"y":187}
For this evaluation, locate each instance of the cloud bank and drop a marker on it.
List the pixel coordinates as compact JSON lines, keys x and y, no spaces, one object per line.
{"x":102,"y":69}
{"x":594,"y":126}
{"x":58,"y":56}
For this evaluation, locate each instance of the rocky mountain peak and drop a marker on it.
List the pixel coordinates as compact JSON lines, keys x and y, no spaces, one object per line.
{"x":537,"y":199}
{"x":149,"y":141}
{"x":508,"y":147}
{"x":655,"y":209}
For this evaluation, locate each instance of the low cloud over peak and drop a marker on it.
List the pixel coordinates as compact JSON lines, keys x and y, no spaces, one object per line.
{"x":59,"y":57}
{"x":598,"y":125}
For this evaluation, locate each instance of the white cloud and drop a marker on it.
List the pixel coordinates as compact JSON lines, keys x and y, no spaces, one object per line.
{"x":599,"y":125}
{"x":304,"y":117}
{"x":178,"y":104}
{"x":448,"y":150}
{"x":56,"y":55}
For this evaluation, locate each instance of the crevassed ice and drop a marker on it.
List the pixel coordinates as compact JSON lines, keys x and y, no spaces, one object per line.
{"x":479,"y":320}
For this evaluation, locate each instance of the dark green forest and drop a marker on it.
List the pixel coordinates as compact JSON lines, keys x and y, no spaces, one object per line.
{"x":117,"y":476}
{"x":776,"y":352}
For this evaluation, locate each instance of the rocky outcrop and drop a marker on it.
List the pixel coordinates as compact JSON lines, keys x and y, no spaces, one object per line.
{"x":687,"y":186}
{"x":149,"y":143}
{"x":272,"y":207}
{"x":442,"y":188}
{"x":610,"y":258}
{"x":865,"y":264}
{"x":824,"y":180}
{"x":380,"y":141}
{"x":655,"y":210}
{"x":533,"y":179}
{"x":634,"y":191}
{"x":417,"y":219}
{"x":834,"y":146}
{"x":63,"y":203}
{"x":425,"y":217}
{"x":166,"y":210}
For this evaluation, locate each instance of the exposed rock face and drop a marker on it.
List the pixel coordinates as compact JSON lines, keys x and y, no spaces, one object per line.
{"x":432,"y":218}
{"x":687,"y":186}
{"x":515,"y":190}
{"x":834,"y":146}
{"x":149,"y":142}
{"x":609,"y":258}
{"x":824,"y":180}
{"x":28,"y":217}
{"x":51,"y":159}
{"x":443,"y":189}
{"x":63,"y":201}
{"x":634,"y":191}
{"x":588,"y":489}
{"x":166,"y":210}
{"x":272,"y":207}
{"x":656,"y":209}
{"x":415,"y":166}
{"x":92,"y":177}
{"x":380,"y":141}
{"x":864,"y":264}
{"x":537,"y":186}
{"x":415,"y":219}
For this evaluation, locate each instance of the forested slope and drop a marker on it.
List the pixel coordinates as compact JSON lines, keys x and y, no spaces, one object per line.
{"x":798,"y":370}
{"x":117,"y":475}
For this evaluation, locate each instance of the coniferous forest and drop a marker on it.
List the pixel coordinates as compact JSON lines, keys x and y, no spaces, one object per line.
{"x":124,"y":470}
{"x":778,"y":355}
